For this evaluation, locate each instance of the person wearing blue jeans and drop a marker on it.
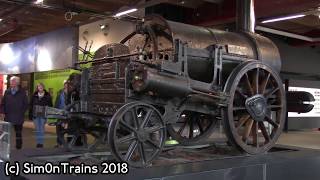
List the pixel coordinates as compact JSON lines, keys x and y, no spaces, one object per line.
{"x":39,"y":100}
{"x":60,"y":103}
{"x":39,"y":123}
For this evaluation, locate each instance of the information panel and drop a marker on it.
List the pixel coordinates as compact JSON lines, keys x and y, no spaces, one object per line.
{"x":315,"y":112}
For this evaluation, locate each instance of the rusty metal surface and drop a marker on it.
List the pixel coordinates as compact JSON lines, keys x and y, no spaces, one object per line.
{"x":107,"y":82}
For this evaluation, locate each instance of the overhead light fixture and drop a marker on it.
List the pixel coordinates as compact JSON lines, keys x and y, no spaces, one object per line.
{"x":44,"y":61}
{"x":284,"y":18}
{"x":38,"y":2}
{"x":1,"y":19}
{"x":126,"y":12}
{"x":102,"y":26}
{"x":7,"y":55}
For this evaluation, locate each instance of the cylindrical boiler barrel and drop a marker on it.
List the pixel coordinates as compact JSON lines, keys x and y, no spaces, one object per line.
{"x":249,"y":45}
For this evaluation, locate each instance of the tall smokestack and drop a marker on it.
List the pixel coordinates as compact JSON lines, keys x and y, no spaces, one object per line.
{"x":245,"y":17}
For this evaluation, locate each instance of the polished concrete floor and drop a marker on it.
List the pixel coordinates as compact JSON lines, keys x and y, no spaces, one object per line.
{"x":305,"y":138}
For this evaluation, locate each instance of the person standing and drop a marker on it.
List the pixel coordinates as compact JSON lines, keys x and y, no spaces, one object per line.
{"x":60,"y":103}
{"x":14,"y":104}
{"x":39,"y":100}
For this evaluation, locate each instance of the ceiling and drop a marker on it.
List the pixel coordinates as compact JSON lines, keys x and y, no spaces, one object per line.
{"x":308,"y":26}
{"x":23,"y":19}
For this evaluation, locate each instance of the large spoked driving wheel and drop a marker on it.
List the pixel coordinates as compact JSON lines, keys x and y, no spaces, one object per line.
{"x":136,"y":134}
{"x":255,"y":115}
{"x":192,"y":127}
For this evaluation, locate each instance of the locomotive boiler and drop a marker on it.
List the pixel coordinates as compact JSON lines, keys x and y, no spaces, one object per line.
{"x":178,"y":80}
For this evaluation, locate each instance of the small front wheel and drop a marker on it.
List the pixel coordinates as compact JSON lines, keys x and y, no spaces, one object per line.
{"x":136,"y":134}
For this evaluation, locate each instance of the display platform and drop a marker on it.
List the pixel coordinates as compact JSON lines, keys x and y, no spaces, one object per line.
{"x":282,"y":162}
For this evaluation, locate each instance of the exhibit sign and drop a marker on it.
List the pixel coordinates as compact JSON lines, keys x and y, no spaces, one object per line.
{"x":315,"y":112}
{"x":45,"y":52}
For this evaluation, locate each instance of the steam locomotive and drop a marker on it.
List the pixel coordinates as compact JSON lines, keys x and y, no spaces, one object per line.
{"x":177,"y":80}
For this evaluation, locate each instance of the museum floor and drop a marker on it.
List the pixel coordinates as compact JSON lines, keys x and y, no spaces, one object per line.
{"x":306,"y":139}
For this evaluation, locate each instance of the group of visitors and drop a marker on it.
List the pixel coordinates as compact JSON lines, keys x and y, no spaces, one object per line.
{"x":14,"y":106}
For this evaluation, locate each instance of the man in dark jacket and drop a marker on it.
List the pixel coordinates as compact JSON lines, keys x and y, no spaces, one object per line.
{"x":14,"y":104}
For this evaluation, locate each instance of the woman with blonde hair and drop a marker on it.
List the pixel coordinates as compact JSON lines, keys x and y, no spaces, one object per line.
{"x":40,"y":99}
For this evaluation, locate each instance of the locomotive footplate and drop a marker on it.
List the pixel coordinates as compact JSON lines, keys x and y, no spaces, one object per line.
{"x":205,"y":162}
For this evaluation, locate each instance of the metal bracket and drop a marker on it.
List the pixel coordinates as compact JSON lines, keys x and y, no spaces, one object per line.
{"x":216,"y":51}
{"x":84,"y":93}
{"x":177,"y":65}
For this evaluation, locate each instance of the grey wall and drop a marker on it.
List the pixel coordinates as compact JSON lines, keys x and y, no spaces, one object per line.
{"x":300,"y":59}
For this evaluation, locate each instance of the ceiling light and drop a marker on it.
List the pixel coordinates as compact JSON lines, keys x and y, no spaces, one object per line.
{"x":126,"y":12}
{"x":284,"y":18}
{"x":1,"y":19}
{"x":7,"y":55}
{"x":44,"y":61}
{"x":102,"y":26}
{"x":38,"y":1}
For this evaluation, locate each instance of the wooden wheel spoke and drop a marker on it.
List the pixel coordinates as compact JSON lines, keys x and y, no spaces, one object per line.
{"x":239,"y":108}
{"x":264,"y":132}
{"x":146,"y":118}
{"x":131,"y":149}
{"x":256,"y":82}
{"x":255,"y":134}
{"x":191,"y":127}
{"x":200,"y":126}
{"x":272,"y":92}
{"x":142,"y":153}
{"x":241,"y":93}
{"x":180,"y":131}
{"x":153,"y":129}
{"x":264,"y":84}
{"x":247,"y":129}
{"x":126,"y":139}
{"x":249,"y":85}
{"x":274,"y":124}
{"x":127,"y":126}
{"x":242,"y":121}
{"x":135,"y":117}
{"x":154,"y":145}
{"x":274,"y":107}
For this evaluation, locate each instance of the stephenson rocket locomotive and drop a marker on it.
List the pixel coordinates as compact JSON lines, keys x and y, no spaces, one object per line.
{"x":178,"y":80}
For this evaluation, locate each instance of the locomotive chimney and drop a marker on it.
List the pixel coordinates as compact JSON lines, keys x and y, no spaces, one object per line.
{"x":245,"y":17}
